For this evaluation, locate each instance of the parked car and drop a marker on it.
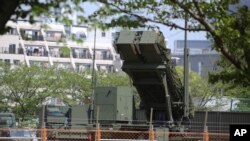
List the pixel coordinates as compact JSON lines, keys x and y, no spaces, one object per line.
{"x":19,"y":135}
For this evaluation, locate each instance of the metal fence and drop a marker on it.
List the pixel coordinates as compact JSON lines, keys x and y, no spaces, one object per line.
{"x":106,"y":135}
{"x":218,"y":122}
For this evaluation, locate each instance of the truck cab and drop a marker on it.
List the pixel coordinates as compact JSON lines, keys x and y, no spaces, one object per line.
{"x":7,"y":120}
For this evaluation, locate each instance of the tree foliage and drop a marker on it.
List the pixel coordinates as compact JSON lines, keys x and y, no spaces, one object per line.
{"x":24,"y":88}
{"x":228,"y":29}
{"x":199,"y":89}
{"x":33,"y":10}
{"x":231,"y":81}
{"x":20,"y":87}
{"x":112,"y":79}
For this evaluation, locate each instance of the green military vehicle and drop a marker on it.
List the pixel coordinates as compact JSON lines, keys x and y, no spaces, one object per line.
{"x":148,"y":63}
{"x":7,"y":121}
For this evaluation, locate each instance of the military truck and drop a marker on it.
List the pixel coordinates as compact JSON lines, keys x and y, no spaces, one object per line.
{"x":147,"y":62}
{"x":65,"y":118}
{"x":7,"y":121}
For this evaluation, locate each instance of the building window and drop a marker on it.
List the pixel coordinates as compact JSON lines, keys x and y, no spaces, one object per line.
{"x":199,"y":68}
{"x":103,"y":34}
{"x":113,"y":35}
{"x":111,"y":68}
{"x":7,"y":61}
{"x":13,"y":31}
{"x":98,"y":55}
{"x":50,"y":34}
{"x":12,"y":49}
{"x":20,"y":50}
{"x":98,"y":68}
{"x":16,"y":62}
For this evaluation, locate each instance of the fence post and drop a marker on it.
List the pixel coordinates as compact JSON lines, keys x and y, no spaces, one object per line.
{"x":206,"y":135}
{"x":98,"y":134}
{"x":151,"y":134}
{"x":44,"y":134}
{"x":151,"y":130}
{"x":98,"y":131}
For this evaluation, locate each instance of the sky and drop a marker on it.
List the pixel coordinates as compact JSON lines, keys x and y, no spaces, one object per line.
{"x":171,"y":35}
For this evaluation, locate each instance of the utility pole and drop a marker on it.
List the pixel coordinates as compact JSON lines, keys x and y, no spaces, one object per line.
{"x":93,"y":84}
{"x":186,"y":70}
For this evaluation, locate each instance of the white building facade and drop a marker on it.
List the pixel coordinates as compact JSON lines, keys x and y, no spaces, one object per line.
{"x":202,"y":58}
{"x":45,"y":45}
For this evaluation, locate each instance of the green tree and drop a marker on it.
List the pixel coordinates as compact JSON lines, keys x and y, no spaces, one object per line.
{"x":229,"y":30}
{"x":74,"y":84}
{"x":32,"y":10}
{"x":199,"y":89}
{"x":19,"y":88}
{"x":64,"y":52}
{"x":234,"y":83}
{"x":24,"y":88}
{"x":112,"y":79}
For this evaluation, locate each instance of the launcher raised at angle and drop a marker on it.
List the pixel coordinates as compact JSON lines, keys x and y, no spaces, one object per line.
{"x":148,"y":63}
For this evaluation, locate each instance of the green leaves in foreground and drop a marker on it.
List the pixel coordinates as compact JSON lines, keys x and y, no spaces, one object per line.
{"x":23,"y":89}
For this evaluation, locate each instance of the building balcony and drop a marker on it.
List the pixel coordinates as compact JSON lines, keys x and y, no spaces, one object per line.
{"x":83,"y":61}
{"x":104,"y":62}
{"x":81,"y":55}
{"x":32,"y":38}
{"x":37,"y":53}
{"x":55,"y":39}
{"x":12,"y":57}
{"x":103,"y":56}
{"x":39,"y":58}
{"x":61,"y":60}
{"x":11,"y":50}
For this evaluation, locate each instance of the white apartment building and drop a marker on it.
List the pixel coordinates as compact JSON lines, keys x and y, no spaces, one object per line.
{"x":43,"y":44}
{"x":202,"y":58}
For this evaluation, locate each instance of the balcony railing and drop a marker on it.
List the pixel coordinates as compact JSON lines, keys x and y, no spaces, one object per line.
{"x":33,"y":37}
{"x":55,"y":39}
{"x":104,"y":57}
{"x":7,"y":50}
{"x":37,"y":53}
{"x":82,"y":55}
